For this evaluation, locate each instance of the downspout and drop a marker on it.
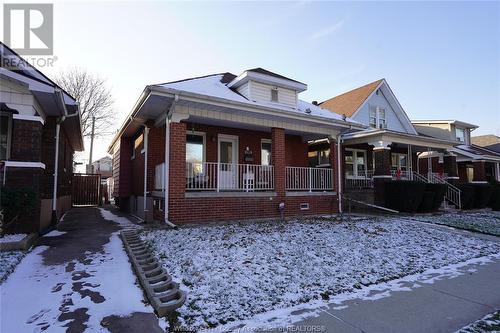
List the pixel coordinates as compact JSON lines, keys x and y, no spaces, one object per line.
{"x":56,"y":157}
{"x":167,"y":162}
{"x":339,"y":171}
{"x":145,"y":201}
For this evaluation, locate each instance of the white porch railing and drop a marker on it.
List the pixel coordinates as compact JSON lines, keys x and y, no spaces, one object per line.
{"x":360,"y":181}
{"x":214,"y":176}
{"x":309,"y":179}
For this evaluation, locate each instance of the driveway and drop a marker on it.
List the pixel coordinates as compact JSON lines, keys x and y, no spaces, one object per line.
{"x":77,"y":278}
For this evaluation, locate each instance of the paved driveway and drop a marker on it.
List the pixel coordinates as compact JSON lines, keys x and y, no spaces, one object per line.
{"x":76,"y":279}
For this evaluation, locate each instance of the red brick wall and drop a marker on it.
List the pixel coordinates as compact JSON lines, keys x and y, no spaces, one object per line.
{"x":436,"y":166}
{"x":26,"y":143}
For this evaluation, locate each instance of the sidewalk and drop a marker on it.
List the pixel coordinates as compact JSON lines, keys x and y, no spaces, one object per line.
{"x":441,"y":306}
{"x":75,"y":280}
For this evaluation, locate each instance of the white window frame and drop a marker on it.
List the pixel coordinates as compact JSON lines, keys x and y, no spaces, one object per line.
{"x":9,"y":134}
{"x":266,"y":141}
{"x":398,"y":166}
{"x":463,"y":131}
{"x":355,"y":163}
{"x":275,"y":90}
{"x":204,"y":135}
{"x":374,"y":112}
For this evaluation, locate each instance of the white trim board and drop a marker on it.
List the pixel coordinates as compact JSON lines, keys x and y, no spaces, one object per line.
{"x":28,"y":118}
{"x":20,"y":164}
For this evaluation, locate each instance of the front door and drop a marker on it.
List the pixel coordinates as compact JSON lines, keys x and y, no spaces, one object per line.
{"x":228,"y":157}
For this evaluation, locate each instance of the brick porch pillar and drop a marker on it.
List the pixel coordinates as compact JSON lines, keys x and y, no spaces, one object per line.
{"x":479,"y":172}
{"x":177,"y":171}
{"x":450,"y":167}
{"x":381,"y":173}
{"x":278,"y":159}
{"x":334,"y":165}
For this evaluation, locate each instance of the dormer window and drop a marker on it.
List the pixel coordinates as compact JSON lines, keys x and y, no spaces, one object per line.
{"x":460,"y":134}
{"x":274,"y":95}
{"x":377,"y":117}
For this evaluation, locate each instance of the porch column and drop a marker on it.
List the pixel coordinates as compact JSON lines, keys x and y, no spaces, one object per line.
{"x":382,"y":170}
{"x":278,"y":158}
{"x":177,"y":165}
{"x":450,"y":167}
{"x":497,"y":171}
{"x":334,"y":164}
{"x":479,"y":172}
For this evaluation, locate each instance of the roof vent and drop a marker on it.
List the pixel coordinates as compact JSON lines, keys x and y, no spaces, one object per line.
{"x":344,"y":117}
{"x":315,"y":103}
{"x":308,"y":111}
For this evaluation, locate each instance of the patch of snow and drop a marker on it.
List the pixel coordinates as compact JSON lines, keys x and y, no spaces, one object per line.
{"x":55,"y":233}
{"x":489,"y":323}
{"x":122,"y":221}
{"x":237,"y":271}
{"x":212,"y":86}
{"x":8,"y":262}
{"x":12,"y":238}
{"x":485,"y":221}
{"x":107,"y":275}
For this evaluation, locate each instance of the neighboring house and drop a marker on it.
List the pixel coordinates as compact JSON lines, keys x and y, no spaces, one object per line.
{"x":103,"y":167}
{"x":475,"y":163}
{"x":237,"y":146}
{"x":40,"y":128}
{"x":388,"y":148}
{"x":491,"y":142}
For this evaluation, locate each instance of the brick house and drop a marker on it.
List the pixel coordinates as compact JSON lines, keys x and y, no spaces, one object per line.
{"x":389,"y":148}
{"x":40,"y":129}
{"x":475,"y":164}
{"x":237,"y":147}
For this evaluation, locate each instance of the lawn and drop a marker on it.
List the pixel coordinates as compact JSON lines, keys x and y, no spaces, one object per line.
{"x":490,"y":323}
{"x":232,"y":272}
{"x":8,"y":262}
{"x":485,"y":221}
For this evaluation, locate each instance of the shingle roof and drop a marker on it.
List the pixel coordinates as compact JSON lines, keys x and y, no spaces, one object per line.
{"x":348,"y":103}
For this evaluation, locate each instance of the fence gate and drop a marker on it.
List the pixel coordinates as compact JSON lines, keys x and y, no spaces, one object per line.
{"x":86,"y":189}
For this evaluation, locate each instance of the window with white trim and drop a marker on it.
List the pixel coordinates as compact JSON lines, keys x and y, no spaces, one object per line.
{"x":5,"y":135}
{"x":195,"y":152}
{"x":399,"y":161}
{"x":274,"y":95}
{"x":319,"y":157}
{"x":460,"y":134}
{"x":265,"y":152}
{"x":377,"y":117}
{"x":355,"y":163}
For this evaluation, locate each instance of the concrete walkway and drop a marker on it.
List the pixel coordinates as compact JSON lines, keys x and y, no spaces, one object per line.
{"x":441,"y":306}
{"x":77,"y":279}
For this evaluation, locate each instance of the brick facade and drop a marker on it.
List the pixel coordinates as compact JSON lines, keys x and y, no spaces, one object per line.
{"x":479,"y":171}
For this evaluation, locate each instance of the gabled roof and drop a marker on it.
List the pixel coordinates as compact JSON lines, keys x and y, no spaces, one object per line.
{"x":440,"y":121}
{"x":476,"y":152}
{"x":348,"y":103}
{"x":485,"y":140}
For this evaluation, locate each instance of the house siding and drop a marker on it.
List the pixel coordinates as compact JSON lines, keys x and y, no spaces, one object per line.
{"x":261,"y":92}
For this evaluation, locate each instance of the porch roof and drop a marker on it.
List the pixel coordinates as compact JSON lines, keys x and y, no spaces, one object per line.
{"x":383,"y":137}
{"x":473,"y":152}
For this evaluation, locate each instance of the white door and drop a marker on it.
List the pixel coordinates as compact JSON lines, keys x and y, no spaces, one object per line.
{"x":228,"y":157}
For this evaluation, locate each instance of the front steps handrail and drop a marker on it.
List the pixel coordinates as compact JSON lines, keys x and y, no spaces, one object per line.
{"x":453,"y":193}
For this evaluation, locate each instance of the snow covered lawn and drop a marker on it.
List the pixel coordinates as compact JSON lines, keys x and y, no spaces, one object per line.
{"x":485,"y":221}
{"x":233,"y":272}
{"x":9,"y":261}
{"x":490,"y":323}
{"x":12,"y":238}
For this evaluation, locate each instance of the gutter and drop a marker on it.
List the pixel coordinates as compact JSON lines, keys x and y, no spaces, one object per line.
{"x":145,"y":202}
{"x":166,"y":178}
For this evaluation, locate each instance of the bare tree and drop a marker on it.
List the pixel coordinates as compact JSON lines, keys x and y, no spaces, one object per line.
{"x":95,"y":100}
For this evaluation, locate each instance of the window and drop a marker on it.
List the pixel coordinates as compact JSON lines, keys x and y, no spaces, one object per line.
{"x":460,"y":134}
{"x":265,"y":152}
{"x":195,"y":151}
{"x":377,"y":117}
{"x":319,"y":157}
{"x":5,"y":135}
{"x":274,"y":95}
{"x":355,"y":162}
{"x":399,"y":161}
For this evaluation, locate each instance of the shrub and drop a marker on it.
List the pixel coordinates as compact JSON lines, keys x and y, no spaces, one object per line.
{"x":466,"y":195}
{"x":482,"y":194}
{"x":495,"y":197}
{"x":404,"y":196}
{"x":439,"y":191}
{"x":14,"y":202}
{"x":427,"y":203}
